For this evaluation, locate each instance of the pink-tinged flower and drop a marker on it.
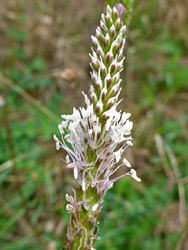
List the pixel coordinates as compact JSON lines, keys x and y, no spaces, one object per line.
{"x":121,"y":9}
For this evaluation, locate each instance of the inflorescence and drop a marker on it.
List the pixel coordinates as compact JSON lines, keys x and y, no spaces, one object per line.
{"x":96,"y":136}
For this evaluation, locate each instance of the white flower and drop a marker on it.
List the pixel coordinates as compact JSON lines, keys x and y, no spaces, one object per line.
{"x":69,"y":198}
{"x":94,"y":208}
{"x":128,"y":126}
{"x":86,"y":206}
{"x":134,"y":176}
{"x":55,"y":138}
{"x":67,"y":159}
{"x":129,"y":143}
{"x":127,"y":163}
{"x":61,"y":128}
{"x":93,"y":184}
{"x":124,"y":117}
{"x":100,"y":105}
{"x":75,"y":173}
{"x":64,"y":124}
{"x":117,"y":155}
{"x":71,"y":165}
{"x":57,"y":145}
{"x":83,"y":186}
{"x":69,"y":208}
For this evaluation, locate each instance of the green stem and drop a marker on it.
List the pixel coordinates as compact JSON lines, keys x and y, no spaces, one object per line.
{"x":82,"y":226}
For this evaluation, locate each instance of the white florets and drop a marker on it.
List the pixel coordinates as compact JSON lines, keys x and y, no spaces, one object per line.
{"x":84,"y":130}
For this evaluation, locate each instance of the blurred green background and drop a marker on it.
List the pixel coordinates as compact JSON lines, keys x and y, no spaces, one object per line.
{"x":44,"y":66}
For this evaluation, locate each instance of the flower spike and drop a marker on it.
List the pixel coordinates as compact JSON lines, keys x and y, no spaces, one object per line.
{"x":98,"y":133}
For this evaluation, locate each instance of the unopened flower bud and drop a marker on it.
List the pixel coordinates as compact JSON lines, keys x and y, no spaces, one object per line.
{"x":112,"y":68}
{"x":114,"y":90}
{"x":99,"y":107}
{"x":93,"y":78}
{"x":94,"y":41}
{"x":109,"y":10}
{"x":109,"y":103}
{"x":112,"y":31}
{"x":116,"y":78}
{"x":103,"y":93}
{"x":103,"y":71}
{"x":108,"y":20}
{"x":115,"y":13}
{"x":108,"y":81}
{"x":103,"y":27}
{"x":123,"y":30}
{"x":121,"y":10}
{"x":95,"y":64}
{"x":99,"y":35}
{"x":119,"y":25}
{"x":108,"y":58}
{"x":98,"y":85}
{"x":116,"y":47}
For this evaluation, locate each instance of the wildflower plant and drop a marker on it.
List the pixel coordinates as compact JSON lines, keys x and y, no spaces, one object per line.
{"x":96,"y":136}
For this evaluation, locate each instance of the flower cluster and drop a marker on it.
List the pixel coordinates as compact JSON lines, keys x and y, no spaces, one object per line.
{"x":95,"y":137}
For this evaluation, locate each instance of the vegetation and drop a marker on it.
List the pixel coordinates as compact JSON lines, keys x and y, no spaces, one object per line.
{"x":44,"y":67}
